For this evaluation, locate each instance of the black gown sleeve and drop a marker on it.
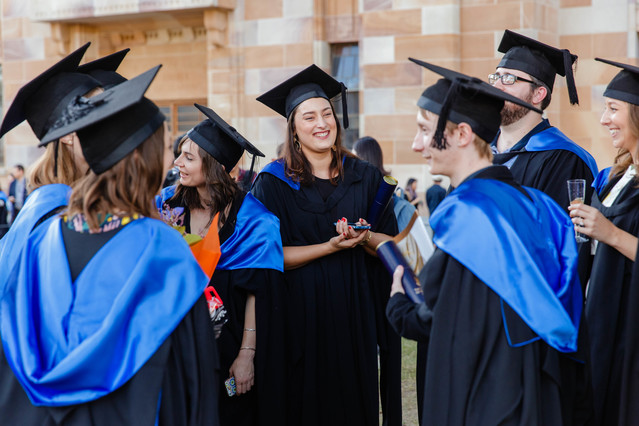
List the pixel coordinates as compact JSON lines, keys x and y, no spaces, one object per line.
{"x":270,"y":358}
{"x":414,"y":321}
{"x":409,"y":320}
{"x":190,"y":382}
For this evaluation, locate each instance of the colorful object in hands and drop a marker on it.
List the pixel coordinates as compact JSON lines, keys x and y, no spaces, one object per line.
{"x":217,"y":311}
{"x":230,"y":386}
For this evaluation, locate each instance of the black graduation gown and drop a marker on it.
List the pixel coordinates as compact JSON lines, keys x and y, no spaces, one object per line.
{"x":548,"y":172}
{"x":471,"y":375}
{"x":608,"y":303}
{"x":331,"y":307}
{"x":629,"y":392}
{"x":184,"y":371}
{"x":264,"y":404}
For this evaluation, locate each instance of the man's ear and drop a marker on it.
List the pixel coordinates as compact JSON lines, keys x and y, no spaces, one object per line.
{"x":466,"y":135}
{"x":539,"y":94}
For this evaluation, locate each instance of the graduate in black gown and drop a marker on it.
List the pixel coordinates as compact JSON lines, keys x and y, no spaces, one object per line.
{"x":612,"y":222}
{"x":103,"y":319}
{"x":332,"y":280}
{"x":248,"y":276}
{"x":40,"y":102}
{"x":62,"y":162}
{"x":502,"y":294}
{"x":538,"y":155}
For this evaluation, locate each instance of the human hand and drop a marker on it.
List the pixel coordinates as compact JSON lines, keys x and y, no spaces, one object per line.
{"x":397,"y":286}
{"x":243,"y":370}
{"x":589,"y":221}
{"x":348,"y":236}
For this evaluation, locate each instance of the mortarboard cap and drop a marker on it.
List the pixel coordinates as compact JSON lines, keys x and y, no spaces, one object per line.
{"x":38,"y":101}
{"x":309,"y":83}
{"x":625,"y":85}
{"x":461,"y":98}
{"x":112,"y":124}
{"x":103,"y":69}
{"x":221,"y":141}
{"x":539,"y":60}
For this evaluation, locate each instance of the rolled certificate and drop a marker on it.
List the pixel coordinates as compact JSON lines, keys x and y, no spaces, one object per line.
{"x":391,"y":258}
{"x":383,"y":196}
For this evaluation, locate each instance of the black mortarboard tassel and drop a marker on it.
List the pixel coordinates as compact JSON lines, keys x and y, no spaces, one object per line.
{"x":539,"y":60}
{"x":103,"y":69}
{"x":112,"y":124}
{"x":625,"y":85}
{"x":461,"y":98}
{"x":36,"y":100}
{"x":309,"y":83}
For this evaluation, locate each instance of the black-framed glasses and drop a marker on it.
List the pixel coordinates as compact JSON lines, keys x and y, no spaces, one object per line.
{"x":507,"y":79}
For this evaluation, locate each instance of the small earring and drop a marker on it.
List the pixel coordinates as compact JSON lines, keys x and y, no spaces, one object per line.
{"x":334,"y":148}
{"x":297,"y":145}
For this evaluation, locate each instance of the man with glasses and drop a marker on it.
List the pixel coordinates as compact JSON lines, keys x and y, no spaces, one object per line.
{"x":537,"y":154}
{"x":542,"y":157}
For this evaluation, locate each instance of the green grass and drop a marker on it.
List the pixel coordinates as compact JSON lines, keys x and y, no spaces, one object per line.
{"x":409,"y":394}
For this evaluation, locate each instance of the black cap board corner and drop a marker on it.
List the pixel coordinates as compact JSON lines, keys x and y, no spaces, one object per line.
{"x":538,"y":59}
{"x":311,"y":82}
{"x":16,"y":113}
{"x":103,"y":69}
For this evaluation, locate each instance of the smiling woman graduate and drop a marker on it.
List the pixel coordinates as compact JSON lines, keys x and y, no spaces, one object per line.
{"x":248,"y":276}
{"x":613,"y":223}
{"x":334,"y":287}
{"x":103,"y":319}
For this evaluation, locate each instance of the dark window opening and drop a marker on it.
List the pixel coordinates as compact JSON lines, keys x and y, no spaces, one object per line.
{"x":345,"y":68}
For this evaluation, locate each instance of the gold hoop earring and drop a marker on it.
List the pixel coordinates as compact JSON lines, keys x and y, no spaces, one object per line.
{"x":334,"y":148}
{"x":297,"y":145}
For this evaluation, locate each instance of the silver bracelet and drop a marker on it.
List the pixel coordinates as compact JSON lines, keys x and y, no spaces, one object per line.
{"x":247,"y":348}
{"x":249,"y":329}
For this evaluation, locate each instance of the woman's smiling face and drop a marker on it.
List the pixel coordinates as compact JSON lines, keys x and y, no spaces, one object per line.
{"x":190,"y":165}
{"x":315,"y":125}
{"x":616,"y":117}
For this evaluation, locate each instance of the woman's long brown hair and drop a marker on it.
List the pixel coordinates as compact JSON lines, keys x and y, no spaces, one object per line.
{"x":45,"y":171}
{"x":125,"y":189}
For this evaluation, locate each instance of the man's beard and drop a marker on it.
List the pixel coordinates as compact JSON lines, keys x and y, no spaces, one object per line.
{"x":512,"y":113}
